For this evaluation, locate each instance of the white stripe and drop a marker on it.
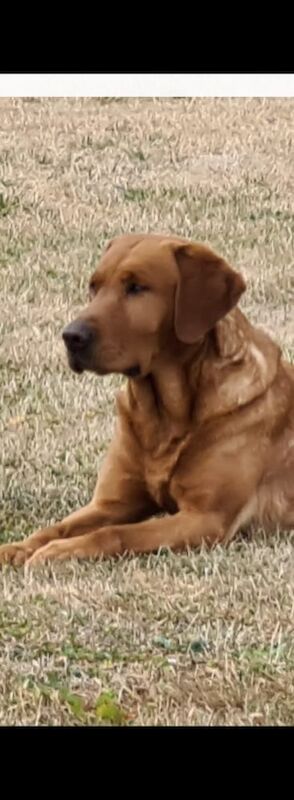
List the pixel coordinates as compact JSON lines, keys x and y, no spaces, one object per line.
{"x":139,"y":85}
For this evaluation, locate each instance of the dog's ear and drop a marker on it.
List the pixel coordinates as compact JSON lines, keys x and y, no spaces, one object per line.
{"x":207,"y":290}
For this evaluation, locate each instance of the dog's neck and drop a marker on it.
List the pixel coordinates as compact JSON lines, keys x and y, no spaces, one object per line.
{"x":168,"y":392}
{"x":173,"y":381}
{"x":234,"y":364}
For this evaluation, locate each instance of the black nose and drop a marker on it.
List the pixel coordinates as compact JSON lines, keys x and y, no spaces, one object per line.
{"x":77,"y":335}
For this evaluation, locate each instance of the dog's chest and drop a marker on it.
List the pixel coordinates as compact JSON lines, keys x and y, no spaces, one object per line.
{"x":162,"y":438}
{"x":160,"y":468}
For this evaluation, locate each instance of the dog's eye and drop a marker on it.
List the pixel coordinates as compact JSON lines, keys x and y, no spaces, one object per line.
{"x":135,"y":288}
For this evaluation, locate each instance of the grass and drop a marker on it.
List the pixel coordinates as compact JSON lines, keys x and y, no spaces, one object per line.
{"x":198,"y":638}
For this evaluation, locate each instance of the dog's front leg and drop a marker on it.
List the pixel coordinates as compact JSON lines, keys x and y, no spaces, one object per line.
{"x":120,"y":496}
{"x":177,"y":532}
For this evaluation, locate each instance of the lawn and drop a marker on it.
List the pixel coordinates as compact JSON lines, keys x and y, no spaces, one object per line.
{"x":202,"y":638}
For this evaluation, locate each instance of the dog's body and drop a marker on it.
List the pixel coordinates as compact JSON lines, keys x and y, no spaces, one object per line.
{"x":205,"y":428}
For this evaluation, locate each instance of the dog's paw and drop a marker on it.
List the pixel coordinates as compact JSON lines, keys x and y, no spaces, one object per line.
{"x":54,"y":550}
{"x":15,"y":553}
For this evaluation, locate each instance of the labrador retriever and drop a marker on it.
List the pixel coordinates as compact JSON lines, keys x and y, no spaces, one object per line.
{"x":205,"y":425}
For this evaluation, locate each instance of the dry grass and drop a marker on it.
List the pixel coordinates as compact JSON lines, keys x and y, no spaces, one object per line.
{"x":202,"y":638}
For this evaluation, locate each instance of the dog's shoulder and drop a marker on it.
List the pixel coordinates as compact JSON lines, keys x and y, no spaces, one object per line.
{"x":242,"y":364}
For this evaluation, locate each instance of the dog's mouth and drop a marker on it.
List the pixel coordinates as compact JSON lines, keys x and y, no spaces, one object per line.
{"x":78,"y":365}
{"x":132,"y":372}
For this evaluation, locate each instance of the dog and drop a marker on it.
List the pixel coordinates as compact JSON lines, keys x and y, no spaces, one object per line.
{"x":205,"y":425}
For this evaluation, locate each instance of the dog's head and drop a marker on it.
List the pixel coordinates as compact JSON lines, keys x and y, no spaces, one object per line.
{"x":147,"y":293}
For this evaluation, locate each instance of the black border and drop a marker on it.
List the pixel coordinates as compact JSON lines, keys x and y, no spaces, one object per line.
{"x":177,"y":38}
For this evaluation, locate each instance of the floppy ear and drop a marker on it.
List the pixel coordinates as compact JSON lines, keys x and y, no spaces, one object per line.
{"x":207,"y":290}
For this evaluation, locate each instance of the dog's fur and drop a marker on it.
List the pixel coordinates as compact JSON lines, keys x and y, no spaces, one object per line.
{"x":205,"y":427}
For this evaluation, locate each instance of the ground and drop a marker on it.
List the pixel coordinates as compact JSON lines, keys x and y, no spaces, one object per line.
{"x":201,"y":638}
